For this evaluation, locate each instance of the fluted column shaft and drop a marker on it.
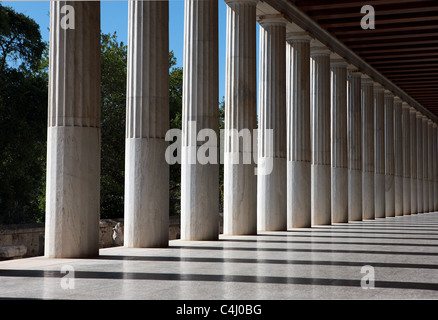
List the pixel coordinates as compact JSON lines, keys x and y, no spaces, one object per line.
{"x":298,"y":130}
{"x":420,"y":204}
{"x":425,"y":165}
{"x":406,"y":139}
{"x":320,"y":106}
{"x":146,"y":221}
{"x":354,"y":130}
{"x":240,"y":181}
{"x":413,"y":156}
{"x":339,"y":155}
{"x":73,"y":135}
{"x":368,"y":204}
{"x":379,"y":151}
{"x":271,"y":188}
{"x":199,"y":180}
{"x":398,"y":157}
{"x":389,"y":155}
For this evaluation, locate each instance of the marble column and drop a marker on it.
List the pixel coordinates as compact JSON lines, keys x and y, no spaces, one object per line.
{"x":339,"y":155}
{"x":398,"y":157}
{"x":240,"y":181}
{"x":320,"y":120}
{"x":435,"y":167}
{"x":413,"y":156}
{"x":298,"y":130}
{"x":389,"y":154}
{"x":271,"y":188}
{"x":430,"y":164}
{"x":420,"y":206}
{"x":425,"y":165}
{"x":406,"y":140}
{"x":200,"y":179}
{"x":379,"y":151}
{"x":354,"y":137}
{"x":146,"y":221}
{"x":368,"y":200}
{"x":73,"y":135}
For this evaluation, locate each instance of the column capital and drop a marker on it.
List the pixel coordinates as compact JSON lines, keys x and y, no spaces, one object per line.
{"x":397,"y":99}
{"x":378,"y":87}
{"x":272,"y":19}
{"x":337,"y":61}
{"x":405,"y":105}
{"x":388,"y":93}
{"x":298,"y":36}
{"x":419,"y":115}
{"x":366,"y":80}
{"x":318,"y":48}
{"x":412,"y":110}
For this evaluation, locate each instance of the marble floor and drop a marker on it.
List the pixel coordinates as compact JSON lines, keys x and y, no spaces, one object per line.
{"x":326,"y":262}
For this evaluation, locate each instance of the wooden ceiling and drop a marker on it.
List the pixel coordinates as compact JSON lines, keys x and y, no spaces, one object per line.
{"x":403,"y":47}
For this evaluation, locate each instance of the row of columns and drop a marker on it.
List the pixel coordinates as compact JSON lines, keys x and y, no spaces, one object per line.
{"x":343,"y":148}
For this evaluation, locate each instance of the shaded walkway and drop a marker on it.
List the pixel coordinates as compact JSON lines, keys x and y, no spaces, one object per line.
{"x":318,"y":263}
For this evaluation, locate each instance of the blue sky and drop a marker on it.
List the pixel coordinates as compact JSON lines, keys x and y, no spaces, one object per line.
{"x":114,"y":17}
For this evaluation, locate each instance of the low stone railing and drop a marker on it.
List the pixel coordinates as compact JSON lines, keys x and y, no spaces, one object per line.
{"x":27,"y":240}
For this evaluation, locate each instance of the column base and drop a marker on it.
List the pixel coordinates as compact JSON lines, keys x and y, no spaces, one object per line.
{"x":271,"y":198}
{"x":240,"y":198}
{"x":146,"y":194}
{"x":339,"y":191}
{"x":354,"y":195}
{"x":72,"y":192}
{"x":398,"y":194}
{"x":379,"y":195}
{"x":298,"y":194}
{"x":321,"y":194}
{"x":389,"y":196}
{"x":368,"y":201}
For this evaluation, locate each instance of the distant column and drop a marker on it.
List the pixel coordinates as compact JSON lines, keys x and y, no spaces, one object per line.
{"x":435,"y":166}
{"x":406,"y":138}
{"x":398,"y":157}
{"x":379,"y":151}
{"x":413,"y":156}
{"x":240,"y":180}
{"x":389,"y":155}
{"x":200,"y":180}
{"x":425,"y":165}
{"x":146,"y":171}
{"x":354,"y":136}
{"x":430,"y":165}
{"x":298,"y":130}
{"x":271,"y":188}
{"x":368,"y":203}
{"x":420,"y":204}
{"x":339,"y":155}
{"x":320,"y":106}
{"x":73,"y":135}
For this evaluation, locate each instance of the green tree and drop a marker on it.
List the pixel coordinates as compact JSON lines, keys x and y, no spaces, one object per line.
{"x":113,"y":104}
{"x":113,"y":63}
{"x":23,"y":118}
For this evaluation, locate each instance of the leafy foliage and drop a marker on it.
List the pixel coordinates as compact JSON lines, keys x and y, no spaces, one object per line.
{"x":23,"y":119}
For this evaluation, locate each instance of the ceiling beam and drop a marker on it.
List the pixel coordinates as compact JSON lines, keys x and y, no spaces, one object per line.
{"x":294,"y":14}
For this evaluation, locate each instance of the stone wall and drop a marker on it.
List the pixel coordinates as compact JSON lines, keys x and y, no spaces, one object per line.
{"x":31,"y":236}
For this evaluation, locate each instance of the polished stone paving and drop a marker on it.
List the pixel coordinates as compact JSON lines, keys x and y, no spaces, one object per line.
{"x":316,"y":263}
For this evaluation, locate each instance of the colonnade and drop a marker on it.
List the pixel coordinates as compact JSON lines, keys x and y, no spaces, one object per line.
{"x":342,"y":147}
